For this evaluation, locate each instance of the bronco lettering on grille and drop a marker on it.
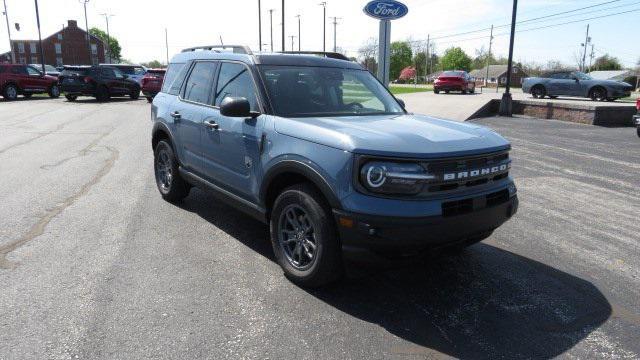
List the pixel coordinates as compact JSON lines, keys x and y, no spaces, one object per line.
{"x":469,"y":174}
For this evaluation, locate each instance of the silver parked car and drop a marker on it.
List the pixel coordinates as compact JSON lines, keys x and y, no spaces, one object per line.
{"x":577,"y":84}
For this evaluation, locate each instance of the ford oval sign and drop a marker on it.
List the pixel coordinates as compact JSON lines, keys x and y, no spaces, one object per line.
{"x":386,"y":9}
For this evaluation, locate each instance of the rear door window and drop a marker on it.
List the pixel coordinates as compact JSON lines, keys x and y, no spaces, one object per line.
{"x":171,"y":76}
{"x":198,"y":86}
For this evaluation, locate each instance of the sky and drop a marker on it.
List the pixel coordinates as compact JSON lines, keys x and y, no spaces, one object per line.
{"x":140,"y":25}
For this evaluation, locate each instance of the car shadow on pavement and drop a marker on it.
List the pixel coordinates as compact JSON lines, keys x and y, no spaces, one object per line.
{"x":90,"y":100}
{"x":485,"y":303}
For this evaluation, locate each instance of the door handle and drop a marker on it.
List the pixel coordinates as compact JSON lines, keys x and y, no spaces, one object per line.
{"x":212,"y":125}
{"x":176,"y":115}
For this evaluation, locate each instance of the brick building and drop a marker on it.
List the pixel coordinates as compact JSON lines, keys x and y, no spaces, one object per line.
{"x":65,"y":47}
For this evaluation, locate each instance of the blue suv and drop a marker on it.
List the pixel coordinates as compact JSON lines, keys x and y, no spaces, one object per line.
{"x":315,"y":146}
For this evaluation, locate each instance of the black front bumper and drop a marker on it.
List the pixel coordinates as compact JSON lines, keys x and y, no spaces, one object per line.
{"x":381,"y":234}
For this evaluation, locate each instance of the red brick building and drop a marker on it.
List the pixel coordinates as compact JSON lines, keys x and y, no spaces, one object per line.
{"x":66,"y":47}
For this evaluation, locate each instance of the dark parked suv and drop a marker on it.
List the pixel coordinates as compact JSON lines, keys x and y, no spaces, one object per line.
{"x":319,"y":149}
{"x":101,"y":82}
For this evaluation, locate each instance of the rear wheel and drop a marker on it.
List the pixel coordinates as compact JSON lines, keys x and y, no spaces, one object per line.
{"x":539,"y":92}
{"x":71,"y":97}
{"x":170,"y":184}
{"x":134,"y":94}
{"x":598,"y":94}
{"x":10,"y":92}
{"x":54,"y":91}
{"x":436,"y":91}
{"x":304,"y":237}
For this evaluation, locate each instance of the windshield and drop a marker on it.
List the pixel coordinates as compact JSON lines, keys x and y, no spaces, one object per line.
{"x":298,"y":91}
{"x":582,"y":76}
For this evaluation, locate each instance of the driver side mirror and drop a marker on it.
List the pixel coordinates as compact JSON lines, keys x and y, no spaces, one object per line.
{"x":237,"y":107}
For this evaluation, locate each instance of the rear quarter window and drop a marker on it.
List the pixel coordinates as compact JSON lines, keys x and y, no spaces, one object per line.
{"x":173,"y":78}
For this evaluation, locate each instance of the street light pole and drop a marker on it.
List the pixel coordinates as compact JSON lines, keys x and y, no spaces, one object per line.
{"x":259,"y":26}
{"x":324,"y":26}
{"x":6,"y":14}
{"x":298,"y":16}
{"x":106,"y":18}
{"x":335,"y":25}
{"x":506,"y":104}
{"x":283,"y":25}
{"x":166,"y":44}
{"x":40,"y":38}
{"x":86,"y":24}
{"x":271,"y":26}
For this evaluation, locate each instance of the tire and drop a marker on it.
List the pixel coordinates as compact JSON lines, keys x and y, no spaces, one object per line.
{"x":638,"y":131}
{"x":598,"y":94}
{"x":446,"y":91}
{"x":149,"y":99}
{"x":553,"y":96}
{"x":464,"y":91}
{"x":473,"y":90}
{"x":134,"y":94}
{"x":27,"y":95}
{"x":54,"y":91}
{"x":71,"y":97}
{"x":311,"y":257}
{"x":436,"y":91}
{"x":102,"y":94}
{"x":165,"y":165}
{"x":10,"y":92}
{"x":538,"y":92}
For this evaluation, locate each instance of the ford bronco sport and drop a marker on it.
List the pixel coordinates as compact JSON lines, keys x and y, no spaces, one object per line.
{"x":319,"y":149}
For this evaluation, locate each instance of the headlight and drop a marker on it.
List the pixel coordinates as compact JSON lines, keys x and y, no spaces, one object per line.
{"x":393,"y":178}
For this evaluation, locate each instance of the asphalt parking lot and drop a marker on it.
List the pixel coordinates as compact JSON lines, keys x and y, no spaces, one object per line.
{"x":95,"y":265}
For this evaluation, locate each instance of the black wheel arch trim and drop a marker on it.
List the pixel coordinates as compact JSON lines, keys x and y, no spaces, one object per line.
{"x":300,"y":168}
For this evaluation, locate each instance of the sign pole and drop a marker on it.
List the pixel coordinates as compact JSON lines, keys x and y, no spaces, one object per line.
{"x":384,"y":43}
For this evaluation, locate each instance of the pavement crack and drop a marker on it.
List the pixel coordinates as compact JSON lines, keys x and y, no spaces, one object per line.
{"x":83,"y":152}
{"x":38,"y":228}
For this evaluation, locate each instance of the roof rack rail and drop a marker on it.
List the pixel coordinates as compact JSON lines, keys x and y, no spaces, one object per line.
{"x":331,"y":55}
{"x":238,"y":49}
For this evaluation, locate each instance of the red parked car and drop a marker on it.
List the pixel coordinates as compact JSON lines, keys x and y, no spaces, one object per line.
{"x":152,"y":83}
{"x":454,"y":81}
{"x":25,"y":80}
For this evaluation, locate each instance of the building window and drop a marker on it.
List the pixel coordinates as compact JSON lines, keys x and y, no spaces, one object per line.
{"x":32,"y":48}
{"x":514,"y":70}
{"x":21,"y":47}
{"x":94,"y":49}
{"x":34,"y":59}
{"x":60,"y":36}
{"x":493,"y":80}
{"x":58,"y":48}
{"x":59,"y":61}
{"x":23,"y":60}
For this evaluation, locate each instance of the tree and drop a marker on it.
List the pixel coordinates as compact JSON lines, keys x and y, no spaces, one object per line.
{"x":154,"y":64}
{"x":420,"y":63}
{"x":607,"y":62}
{"x":371,"y":64}
{"x":114,"y":45}
{"x":455,"y":59}
{"x":400,"y":58}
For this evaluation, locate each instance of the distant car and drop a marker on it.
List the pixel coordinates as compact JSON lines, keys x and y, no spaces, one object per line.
{"x":636,"y":118}
{"x":134,"y":72}
{"x":454,"y":81}
{"x":152,"y":82}
{"x":25,"y":80}
{"x":48,"y":69}
{"x":576,"y":84}
{"x":101,"y":82}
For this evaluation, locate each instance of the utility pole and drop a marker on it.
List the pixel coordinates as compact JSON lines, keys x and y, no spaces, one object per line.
{"x":271,"y":25}
{"x":506,"y":103}
{"x":587,"y":40}
{"x":426,"y":60}
{"x":6,"y":14}
{"x":324,"y":25}
{"x":292,"y":42}
{"x":486,"y":77}
{"x":40,"y":38}
{"x":298,"y":16}
{"x":259,"y":26}
{"x":166,"y":44}
{"x":283,"y":25}
{"x":86,"y":24}
{"x":335,"y":24}
{"x":108,"y":44}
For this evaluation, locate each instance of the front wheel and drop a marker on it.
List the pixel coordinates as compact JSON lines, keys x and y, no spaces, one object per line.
{"x":538,"y":92}
{"x":102,"y":94}
{"x":304,"y":237}
{"x":170,"y":184}
{"x":54,"y":91}
{"x":134,"y":94}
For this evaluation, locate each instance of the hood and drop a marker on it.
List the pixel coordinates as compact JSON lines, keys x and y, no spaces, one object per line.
{"x":394,"y":135}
